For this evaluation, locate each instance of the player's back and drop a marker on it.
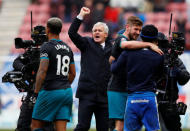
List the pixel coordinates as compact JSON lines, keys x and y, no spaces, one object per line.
{"x":142,"y":68}
{"x":60,"y":57}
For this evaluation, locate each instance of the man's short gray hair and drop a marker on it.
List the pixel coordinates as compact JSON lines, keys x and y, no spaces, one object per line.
{"x":55,"y":25}
{"x":106,"y":29}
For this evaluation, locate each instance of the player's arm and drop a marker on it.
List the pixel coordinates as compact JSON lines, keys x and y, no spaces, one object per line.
{"x":41,"y":74}
{"x":140,"y":44}
{"x":115,"y":51}
{"x":72,"y":73}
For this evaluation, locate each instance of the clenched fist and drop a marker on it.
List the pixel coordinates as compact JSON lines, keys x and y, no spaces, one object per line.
{"x":84,"y":11}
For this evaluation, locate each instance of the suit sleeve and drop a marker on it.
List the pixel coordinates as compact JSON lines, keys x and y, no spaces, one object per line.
{"x":118,"y":64}
{"x":76,"y":38}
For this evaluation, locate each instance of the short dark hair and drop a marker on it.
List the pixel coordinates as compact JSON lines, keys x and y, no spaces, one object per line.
{"x":149,"y":33}
{"x":55,"y":25}
{"x":134,"y":20}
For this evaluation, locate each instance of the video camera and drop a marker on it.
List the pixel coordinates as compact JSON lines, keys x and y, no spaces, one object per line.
{"x":24,"y":79}
{"x":176,"y":47}
{"x":178,"y":42}
{"x":173,"y":48}
{"x":38,"y":35}
{"x":17,"y":78}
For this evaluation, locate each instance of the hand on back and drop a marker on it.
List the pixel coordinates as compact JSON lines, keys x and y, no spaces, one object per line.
{"x":156,"y":49}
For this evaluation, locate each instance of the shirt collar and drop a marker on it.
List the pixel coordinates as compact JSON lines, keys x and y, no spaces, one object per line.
{"x":103,"y":45}
{"x":56,"y":40}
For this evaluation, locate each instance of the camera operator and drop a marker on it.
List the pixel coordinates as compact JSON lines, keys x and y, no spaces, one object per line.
{"x":20,"y":64}
{"x":28,"y":64}
{"x":169,"y":110}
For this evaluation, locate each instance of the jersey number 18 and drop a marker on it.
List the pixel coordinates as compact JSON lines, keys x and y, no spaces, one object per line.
{"x":63,"y":65}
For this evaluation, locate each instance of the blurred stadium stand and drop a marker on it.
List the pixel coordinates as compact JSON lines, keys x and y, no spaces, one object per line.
{"x":11,"y":15}
{"x":42,"y":11}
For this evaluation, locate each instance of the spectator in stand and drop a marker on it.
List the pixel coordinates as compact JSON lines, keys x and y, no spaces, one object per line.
{"x":98,"y":13}
{"x":117,"y":3}
{"x":77,"y":5}
{"x":68,"y":10}
{"x":106,"y":2}
{"x":177,"y":0}
{"x":129,"y":5}
{"x":31,"y":1}
{"x":148,"y":6}
{"x":141,"y":16}
{"x":87,"y":20}
{"x":54,"y":8}
{"x":181,"y":23}
{"x":121,"y":20}
{"x":159,"y":5}
{"x":111,"y":18}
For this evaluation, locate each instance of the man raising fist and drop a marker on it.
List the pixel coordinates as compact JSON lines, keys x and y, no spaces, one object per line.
{"x":95,"y":73}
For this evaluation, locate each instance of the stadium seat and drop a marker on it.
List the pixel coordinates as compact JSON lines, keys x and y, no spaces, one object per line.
{"x":44,"y":1}
{"x":40,"y":19}
{"x":155,"y":17}
{"x":187,"y":26}
{"x":182,"y":7}
{"x":44,"y":8}
{"x":25,"y":28}
{"x":65,"y":27}
{"x":172,"y":7}
{"x":13,"y":50}
{"x":34,"y":8}
{"x":74,"y":48}
{"x":127,"y":14}
{"x":162,"y":26}
{"x":25,"y":36}
{"x":27,"y":18}
{"x":187,"y":36}
{"x":151,"y":17}
{"x":163,"y":16}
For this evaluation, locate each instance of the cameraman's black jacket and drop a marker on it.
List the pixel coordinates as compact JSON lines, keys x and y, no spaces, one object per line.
{"x":20,"y":62}
{"x":95,"y":67}
{"x":28,"y":64}
{"x":182,"y":77}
